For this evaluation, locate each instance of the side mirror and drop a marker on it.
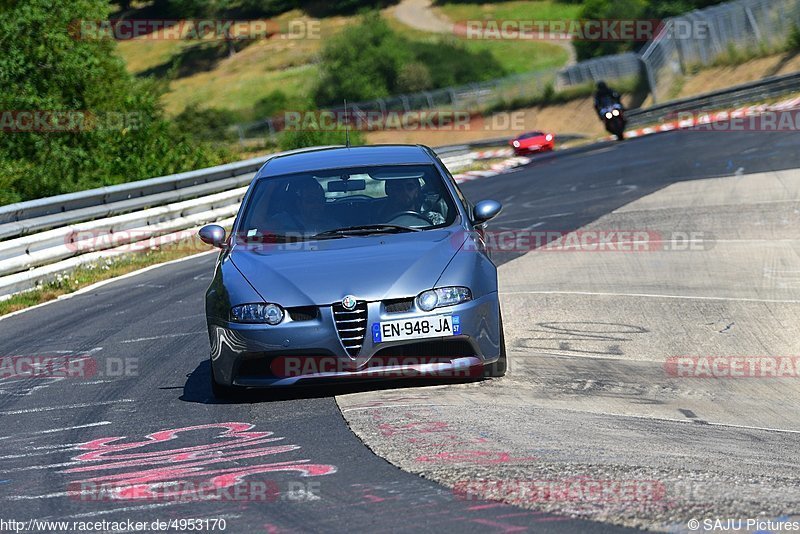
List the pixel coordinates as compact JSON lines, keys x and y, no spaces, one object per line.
{"x":213,"y":234}
{"x":485,"y":210}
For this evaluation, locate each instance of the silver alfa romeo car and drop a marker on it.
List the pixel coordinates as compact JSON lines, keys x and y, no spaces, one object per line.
{"x":359,"y":262}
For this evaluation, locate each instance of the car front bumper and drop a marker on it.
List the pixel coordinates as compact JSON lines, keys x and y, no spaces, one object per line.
{"x":246,"y":354}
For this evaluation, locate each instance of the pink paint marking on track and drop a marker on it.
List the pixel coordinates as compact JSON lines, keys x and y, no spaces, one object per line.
{"x":234,"y":442}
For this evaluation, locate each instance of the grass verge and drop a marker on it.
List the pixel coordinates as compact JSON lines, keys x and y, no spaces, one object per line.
{"x":536,"y":10}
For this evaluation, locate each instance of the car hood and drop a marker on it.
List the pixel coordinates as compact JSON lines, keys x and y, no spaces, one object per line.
{"x":533,"y":140}
{"x":371,"y":268}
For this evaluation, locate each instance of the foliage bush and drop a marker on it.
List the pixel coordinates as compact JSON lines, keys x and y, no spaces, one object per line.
{"x":43,"y":67}
{"x":793,"y":43}
{"x":292,"y":139}
{"x":209,"y":124}
{"x":370,"y":60}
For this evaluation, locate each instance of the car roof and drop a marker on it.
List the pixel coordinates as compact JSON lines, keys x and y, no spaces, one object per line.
{"x":338,"y":157}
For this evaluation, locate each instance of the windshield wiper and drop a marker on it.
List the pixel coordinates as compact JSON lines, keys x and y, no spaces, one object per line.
{"x":270,"y":238}
{"x":367,"y":229}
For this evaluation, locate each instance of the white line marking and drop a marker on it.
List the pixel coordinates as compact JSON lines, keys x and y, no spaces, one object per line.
{"x":534,"y":225}
{"x":40,"y":467}
{"x":138,"y":339}
{"x":647,"y":295}
{"x":64,"y":407}
{"x":36,"y":497}
{"x":29,"y":454}
{"x":184,"y":318}
{"x":88,"y":425}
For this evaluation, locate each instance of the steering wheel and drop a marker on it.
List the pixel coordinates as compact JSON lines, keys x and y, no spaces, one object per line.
{"x":410,"y":213}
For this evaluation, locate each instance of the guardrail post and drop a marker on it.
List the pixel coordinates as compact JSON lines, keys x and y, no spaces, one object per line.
{"x":651,"y":80}
{"x":752,"y":20}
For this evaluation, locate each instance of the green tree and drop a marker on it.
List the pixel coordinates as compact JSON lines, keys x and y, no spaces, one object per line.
{"x":361,"y":63}
{"x":45,"y":66}
{"x":369,"y":60}
{"x":292,"y":139}
{"x":608,"y":10}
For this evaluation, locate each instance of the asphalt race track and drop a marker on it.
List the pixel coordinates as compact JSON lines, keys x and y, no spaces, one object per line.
{"x":145,"y":342}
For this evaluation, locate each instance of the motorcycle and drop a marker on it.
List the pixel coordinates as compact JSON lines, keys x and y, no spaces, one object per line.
{"x":613,"y":115}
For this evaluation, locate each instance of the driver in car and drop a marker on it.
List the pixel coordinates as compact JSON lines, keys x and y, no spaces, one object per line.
{"x":306,"y":213}
{"x":404,"y":195}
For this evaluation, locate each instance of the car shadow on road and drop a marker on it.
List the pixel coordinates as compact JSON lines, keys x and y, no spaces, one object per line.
{"x":198,"y":388}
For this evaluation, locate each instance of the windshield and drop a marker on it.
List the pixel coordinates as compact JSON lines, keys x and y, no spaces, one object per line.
{"x":349,"y":201}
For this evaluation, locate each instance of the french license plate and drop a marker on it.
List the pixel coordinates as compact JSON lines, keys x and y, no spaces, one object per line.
{"x":416,"y":328}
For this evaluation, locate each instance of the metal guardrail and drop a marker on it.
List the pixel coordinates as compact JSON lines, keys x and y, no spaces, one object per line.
{"x":115,"y":193}
{"x":746,"y":93}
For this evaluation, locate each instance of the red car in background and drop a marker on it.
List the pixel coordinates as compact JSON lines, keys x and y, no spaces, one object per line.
{"x":532,"y":142}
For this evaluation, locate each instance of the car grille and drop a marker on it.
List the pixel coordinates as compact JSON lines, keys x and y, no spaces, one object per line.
{"x":398,"y":305}
{"x":351,"y":325}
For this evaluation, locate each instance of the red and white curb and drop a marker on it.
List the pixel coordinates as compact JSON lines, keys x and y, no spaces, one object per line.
{"x":704,"y":118}
{"x":498,"y":168}
{"x":493,"y":154}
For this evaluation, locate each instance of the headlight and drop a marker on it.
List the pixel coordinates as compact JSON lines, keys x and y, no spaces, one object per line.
{"x":516,"y":144}
{"x":444,"y":296}
{"x":608,"y":115}
{"x":549,"y":137}
{"x":615,"y":112}
{"x":257,"y":313}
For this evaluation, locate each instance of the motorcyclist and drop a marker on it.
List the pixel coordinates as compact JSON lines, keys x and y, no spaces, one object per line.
{"x":603,"y":94}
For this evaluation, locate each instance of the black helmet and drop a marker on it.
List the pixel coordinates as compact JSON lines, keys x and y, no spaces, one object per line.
{"x":601,"y":86}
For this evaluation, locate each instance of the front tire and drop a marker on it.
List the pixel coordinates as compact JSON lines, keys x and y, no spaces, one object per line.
{"x":221,"y":392}
{"x":498,"y":368}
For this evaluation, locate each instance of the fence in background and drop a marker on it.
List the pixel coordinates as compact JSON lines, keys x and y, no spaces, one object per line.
{"x":702,"y":37}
